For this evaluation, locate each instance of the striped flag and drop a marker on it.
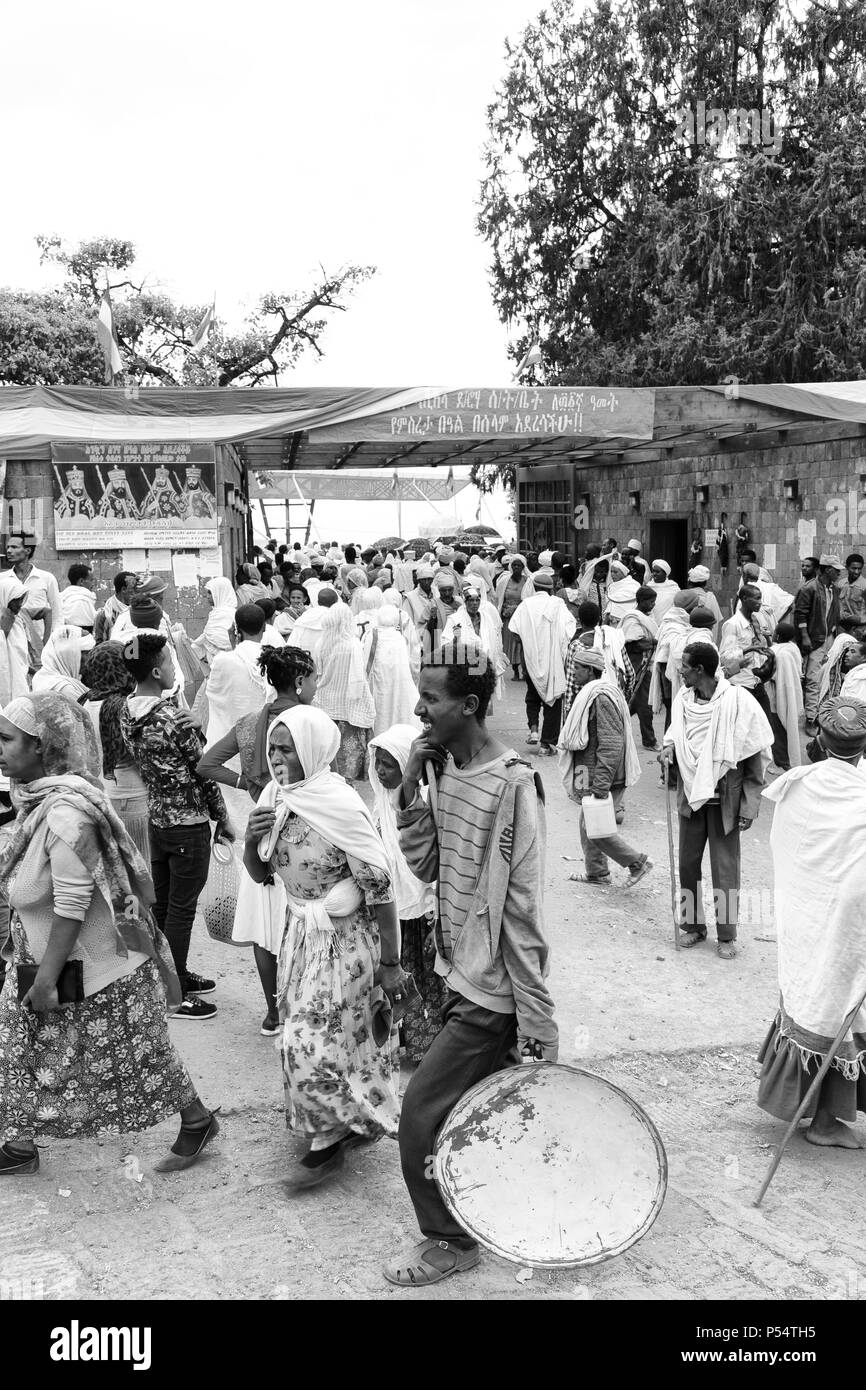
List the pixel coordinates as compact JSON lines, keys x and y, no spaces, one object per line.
{"x":531,"y":358}
{"x":203,"y":331}
{"x":108,"y":338}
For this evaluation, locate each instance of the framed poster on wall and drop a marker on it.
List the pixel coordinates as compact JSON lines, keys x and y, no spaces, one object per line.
{"x":134,"y":495}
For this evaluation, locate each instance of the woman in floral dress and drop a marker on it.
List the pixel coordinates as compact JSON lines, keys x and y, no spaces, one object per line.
{"x":80,"y":895}
{"x":339,"y":958}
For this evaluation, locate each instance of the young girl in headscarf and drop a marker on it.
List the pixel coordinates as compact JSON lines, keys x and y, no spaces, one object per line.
{"x":81,"y":895}
{"x":61,"y":662}
{"x":344,"y":692}
{"x":261,"y":908}
{"x":220,"y":620}
{"x":415,"y":900}
{"x":341,"y":938}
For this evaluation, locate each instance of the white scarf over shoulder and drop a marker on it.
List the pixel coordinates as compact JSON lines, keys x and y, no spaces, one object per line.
{"x":818,"y":843}
{"x":544,"y":625}
{"x":575,"y":731}
{"x":711,"y":737}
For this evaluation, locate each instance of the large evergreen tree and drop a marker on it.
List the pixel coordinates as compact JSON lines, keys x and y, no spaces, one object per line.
{"x":636,"y":256}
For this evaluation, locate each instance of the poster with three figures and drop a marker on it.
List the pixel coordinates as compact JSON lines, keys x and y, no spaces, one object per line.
{"x":126,"y":495}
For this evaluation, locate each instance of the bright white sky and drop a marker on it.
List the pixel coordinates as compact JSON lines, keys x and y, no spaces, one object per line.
{"x":239,"y":146}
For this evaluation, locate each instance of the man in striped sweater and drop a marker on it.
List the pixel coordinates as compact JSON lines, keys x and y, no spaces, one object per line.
{"x":484,"y":846}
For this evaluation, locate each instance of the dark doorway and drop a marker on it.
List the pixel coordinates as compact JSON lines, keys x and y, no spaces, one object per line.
{"x":669,"y":540}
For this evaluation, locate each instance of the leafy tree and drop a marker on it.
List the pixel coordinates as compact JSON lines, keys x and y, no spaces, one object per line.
{"x":636,"y":256}
{"x":50,"y":338}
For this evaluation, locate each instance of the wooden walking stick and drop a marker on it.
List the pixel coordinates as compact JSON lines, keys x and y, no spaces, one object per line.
{"x":801,"y":1109}
{"x":668,"y":790}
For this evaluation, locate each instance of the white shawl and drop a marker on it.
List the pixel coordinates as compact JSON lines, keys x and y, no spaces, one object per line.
{"x":785,"y":694}
{"x":712,"y":737}
{"x":818,"y":844}
{"x":490,"y":635}
{"x":394,"y":692}
{"x":220,"y":620}
{"x":854,"y":684}
{"x":235,"y":687}
{"x":575,"y":731}
{"x":544,"y":625}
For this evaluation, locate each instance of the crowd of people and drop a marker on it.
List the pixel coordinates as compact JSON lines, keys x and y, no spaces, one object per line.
{"x":330,"y":729}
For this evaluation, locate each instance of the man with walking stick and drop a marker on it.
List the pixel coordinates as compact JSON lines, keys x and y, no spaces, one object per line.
{"x":721,"y":741}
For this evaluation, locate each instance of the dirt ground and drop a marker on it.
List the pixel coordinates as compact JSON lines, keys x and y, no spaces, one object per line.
{"x":678,"y":1032}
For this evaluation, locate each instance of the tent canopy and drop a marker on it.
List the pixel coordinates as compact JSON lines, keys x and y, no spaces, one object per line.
{"x":328,"y":428}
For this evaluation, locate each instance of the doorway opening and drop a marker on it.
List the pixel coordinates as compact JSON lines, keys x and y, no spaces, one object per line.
{"x":669,"y":540}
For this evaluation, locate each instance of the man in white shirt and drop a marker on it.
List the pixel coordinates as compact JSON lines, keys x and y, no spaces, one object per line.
{"x":236,"y":686}
{"x":42,"y":601}
{"x":77,"y":604}
{"x":744,"y":643}
{"x":307,"y":632}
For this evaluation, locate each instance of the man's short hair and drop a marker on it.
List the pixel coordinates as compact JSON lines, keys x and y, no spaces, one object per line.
{"x":645,"y":592}
{"x":326,"y":598}
{"x":589,"y":613}
{"x":267,"y":606}
{"x":852,"y":558}
{"x":77,"y":572}
{"x":141,"y":652}
{"x":753,"y":591}
{"x":748,"y":554}
{"x":703,"y":655}
{"x":121,"y":580}
{"x":250,"y":619}
{"x":469,"y":671}
{"x":569,"y":575}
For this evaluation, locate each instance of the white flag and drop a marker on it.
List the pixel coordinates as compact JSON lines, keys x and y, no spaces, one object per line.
{"x":108,"y":339}
{"x":203,"y":331}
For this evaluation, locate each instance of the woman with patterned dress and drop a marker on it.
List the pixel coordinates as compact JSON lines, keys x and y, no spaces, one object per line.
{"x":339,"y":958}
{"x":80,"y":896}
{"x":261,"y":907}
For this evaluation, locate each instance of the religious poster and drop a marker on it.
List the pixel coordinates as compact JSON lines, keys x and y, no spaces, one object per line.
{"x":128,"y":496}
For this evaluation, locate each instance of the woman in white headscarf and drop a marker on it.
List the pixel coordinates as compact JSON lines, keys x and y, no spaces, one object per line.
{"x":341,"y":938}
{"x":621,"y":591}
{"x":220,"y":621}
{"x":386,"y":656}
{"x":478,"y":570}
{"x":369,"y":602}
{"x":344,"y":692}
{"x":480,"y":619}
{"x":665,"y":587}
{"x":409,"y":632}
{"x":415,"y":900}
{"x":355,"y":584}
{"x":61,"y":662}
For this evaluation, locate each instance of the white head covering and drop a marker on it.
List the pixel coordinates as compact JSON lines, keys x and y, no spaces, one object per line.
{"x":424,"y":572}
{"x":394,"y":692}
{"x":662,"y":565}
{"x":545,"y":559}
{"x":323,"y":800}
{"x":699,"y":574}
{"x":215,"y":637}
{"x":61,"y":662}
{"x":635,"y":546}
{"x":22,"y":713}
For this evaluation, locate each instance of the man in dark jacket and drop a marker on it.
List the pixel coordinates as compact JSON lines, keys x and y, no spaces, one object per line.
{"x":596,"y":737}
{"x":816,"y":613}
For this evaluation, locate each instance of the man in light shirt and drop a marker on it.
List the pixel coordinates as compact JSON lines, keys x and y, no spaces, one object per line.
{"x":745,"y":642}
{"x":77,"y":604}
{"x":42,"y":601}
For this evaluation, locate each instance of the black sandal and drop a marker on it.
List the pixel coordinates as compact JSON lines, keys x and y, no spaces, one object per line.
{"x":188,"y":1145}
{"x":17,"y":1163}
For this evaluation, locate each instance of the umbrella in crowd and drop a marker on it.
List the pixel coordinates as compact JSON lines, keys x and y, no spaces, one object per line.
{"x":389,"y":543}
